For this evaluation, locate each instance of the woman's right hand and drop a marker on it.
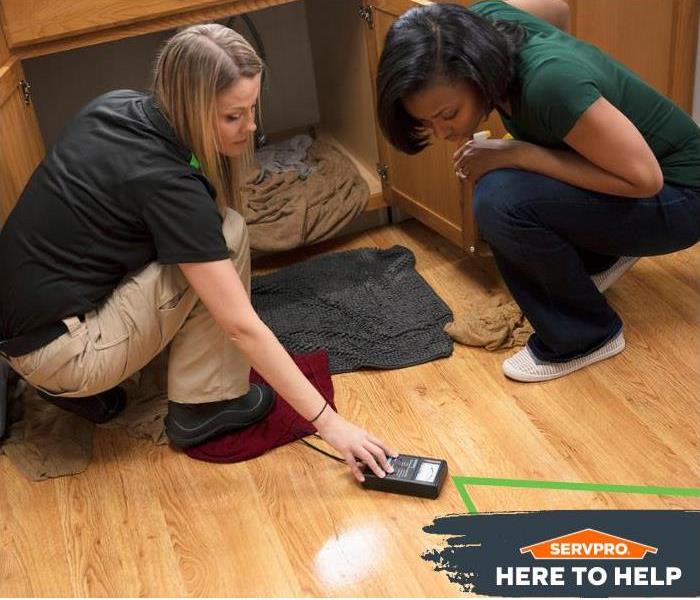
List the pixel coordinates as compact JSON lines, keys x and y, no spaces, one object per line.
{"x":355,"y":444}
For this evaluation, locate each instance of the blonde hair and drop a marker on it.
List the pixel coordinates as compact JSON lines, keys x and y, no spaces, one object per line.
{"x":193,"y":67}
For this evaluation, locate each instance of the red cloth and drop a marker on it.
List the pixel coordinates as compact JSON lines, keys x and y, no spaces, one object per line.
{"x":281,"y":426}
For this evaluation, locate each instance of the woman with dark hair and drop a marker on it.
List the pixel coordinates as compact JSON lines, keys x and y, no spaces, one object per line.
{"x":602,"y":168}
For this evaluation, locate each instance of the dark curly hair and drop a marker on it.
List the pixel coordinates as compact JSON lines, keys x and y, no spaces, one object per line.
{"x":441,"y":41}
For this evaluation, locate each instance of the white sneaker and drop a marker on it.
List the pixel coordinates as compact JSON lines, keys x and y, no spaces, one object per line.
{"x":525,"y":366}
{"x":605,"y":279}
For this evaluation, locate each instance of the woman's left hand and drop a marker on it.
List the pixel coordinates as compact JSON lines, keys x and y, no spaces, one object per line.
{"x":477,"y":157}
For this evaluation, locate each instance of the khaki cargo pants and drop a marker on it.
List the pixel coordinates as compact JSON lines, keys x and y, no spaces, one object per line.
{"x":149,"y":310}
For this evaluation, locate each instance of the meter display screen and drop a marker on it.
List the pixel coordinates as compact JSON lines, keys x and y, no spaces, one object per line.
{"x":428,"y":471}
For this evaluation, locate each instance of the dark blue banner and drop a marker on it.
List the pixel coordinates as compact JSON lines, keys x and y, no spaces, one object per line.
{"x":572,"y":553}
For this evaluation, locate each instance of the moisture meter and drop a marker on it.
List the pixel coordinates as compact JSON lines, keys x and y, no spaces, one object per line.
{"x":413,"y":475}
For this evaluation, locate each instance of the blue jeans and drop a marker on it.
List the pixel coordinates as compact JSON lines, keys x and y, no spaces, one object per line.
{"x":548,"y":237}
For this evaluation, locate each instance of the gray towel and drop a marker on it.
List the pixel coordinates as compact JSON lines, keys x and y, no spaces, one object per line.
{"x":367,"y":308}
{"x":289,"y":155}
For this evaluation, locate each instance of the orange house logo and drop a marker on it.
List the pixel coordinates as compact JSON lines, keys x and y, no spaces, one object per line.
{"x":588,"y":544}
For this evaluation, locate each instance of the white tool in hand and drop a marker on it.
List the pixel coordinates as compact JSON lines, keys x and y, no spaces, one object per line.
{"x":479,"y":135}
{"x":482,"y":135}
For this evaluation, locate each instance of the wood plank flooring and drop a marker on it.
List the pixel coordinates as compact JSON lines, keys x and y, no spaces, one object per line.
{"x":148,"y":521}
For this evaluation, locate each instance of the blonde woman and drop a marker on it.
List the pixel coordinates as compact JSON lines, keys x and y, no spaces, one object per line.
{"x":122,"y":243}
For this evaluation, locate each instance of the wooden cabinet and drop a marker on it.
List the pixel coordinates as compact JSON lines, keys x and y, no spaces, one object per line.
{"x":4,"y":50}
{"x":36,"y":27}
{"x":21,"y":145}
{"x":36,"y":21}
{"x":344,"y":87}
{"x":655,"y":37}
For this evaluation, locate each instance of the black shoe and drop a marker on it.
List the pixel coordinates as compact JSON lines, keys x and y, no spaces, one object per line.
{"x":99,"y":408}
{"x":191,"y":424}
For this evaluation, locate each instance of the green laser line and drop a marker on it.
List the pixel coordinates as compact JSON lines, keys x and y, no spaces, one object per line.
{"x":461,"y":483}
{"x":466,"y":498}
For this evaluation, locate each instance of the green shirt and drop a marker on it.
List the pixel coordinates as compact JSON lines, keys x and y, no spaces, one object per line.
{"x":558,"y":77}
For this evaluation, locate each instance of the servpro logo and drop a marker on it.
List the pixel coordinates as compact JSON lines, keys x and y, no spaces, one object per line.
{"x":588,"y":544}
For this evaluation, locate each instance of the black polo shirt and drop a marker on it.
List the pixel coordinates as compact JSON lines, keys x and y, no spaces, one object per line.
{"x":115,"y":193}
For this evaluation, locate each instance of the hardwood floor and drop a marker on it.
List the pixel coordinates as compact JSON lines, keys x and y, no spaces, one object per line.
{"x":148,"y":521}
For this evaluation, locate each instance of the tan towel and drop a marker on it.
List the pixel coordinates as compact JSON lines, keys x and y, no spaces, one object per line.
{"x":147,"y":402}
{"x":45,"y":441}
{"x":284,"y":211}
{"x":494,"y":324}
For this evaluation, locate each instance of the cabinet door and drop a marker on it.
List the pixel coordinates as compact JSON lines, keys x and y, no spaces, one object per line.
{"x":21,"y":145}
{"x":657,"y":39}
{"x":424,"y":185}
